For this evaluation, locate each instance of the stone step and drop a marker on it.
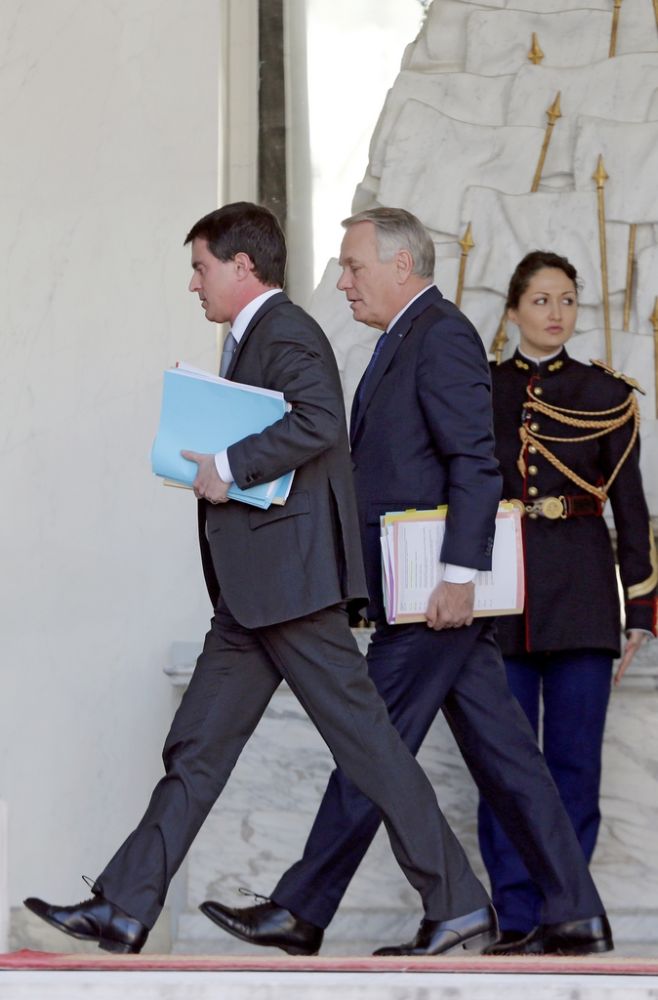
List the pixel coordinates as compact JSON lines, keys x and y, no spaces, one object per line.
{"x":154,"y":985}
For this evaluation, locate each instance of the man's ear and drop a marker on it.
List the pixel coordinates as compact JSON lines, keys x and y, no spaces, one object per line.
{"x":244,"y":265}
{"x":404,"y":265}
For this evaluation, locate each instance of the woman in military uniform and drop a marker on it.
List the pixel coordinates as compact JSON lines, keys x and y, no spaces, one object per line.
{"x":567,"y":441}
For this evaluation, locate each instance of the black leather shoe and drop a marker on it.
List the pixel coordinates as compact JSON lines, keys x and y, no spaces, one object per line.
{"x":266,"y":924}
{"x":436,"y":937}
{"x":95,"y":919}
{"x":571,"y":937}
{"x":510,"y":937}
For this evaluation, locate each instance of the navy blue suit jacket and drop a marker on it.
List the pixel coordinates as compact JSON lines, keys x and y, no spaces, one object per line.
{"x":421,"y":435}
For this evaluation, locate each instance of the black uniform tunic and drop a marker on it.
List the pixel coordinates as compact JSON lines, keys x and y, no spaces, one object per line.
{"x":571,"y":587}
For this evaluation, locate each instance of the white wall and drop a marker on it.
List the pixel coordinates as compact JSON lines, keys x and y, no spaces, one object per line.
{"x":109,"y":125}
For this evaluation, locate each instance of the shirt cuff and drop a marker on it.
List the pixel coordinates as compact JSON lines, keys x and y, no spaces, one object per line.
{"x":223,"y":467}
{"x":458,"y":574}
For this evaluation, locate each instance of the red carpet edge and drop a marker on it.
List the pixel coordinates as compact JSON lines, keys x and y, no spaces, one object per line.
{"x":540,"y":965}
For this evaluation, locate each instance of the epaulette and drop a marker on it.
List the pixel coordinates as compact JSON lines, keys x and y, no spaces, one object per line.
{"x":609,"y":370}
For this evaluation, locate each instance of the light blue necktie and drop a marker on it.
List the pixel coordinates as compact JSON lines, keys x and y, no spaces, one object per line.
{"x":228,"y":350}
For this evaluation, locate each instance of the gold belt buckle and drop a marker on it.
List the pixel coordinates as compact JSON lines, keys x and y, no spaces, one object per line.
{"x":552,"y":508}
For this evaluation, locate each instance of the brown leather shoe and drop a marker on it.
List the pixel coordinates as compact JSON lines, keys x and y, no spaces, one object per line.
{"x":266,"y":924}
{"x":570,"y":937}
{"x":95,"y":919}
{"x":436,"y":937}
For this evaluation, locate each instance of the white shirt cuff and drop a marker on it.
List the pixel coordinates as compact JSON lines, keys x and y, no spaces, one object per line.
{"x":223,"y":467}
{"x":458,"y":574}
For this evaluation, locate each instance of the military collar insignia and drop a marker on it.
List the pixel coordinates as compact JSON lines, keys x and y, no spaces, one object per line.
{"x":543,"y":368}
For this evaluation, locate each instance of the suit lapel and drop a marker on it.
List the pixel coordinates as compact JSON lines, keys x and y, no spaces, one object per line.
{"x":271,"y":303}
{"x":390,"y":346}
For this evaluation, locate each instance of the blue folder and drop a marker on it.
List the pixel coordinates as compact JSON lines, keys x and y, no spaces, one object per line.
{"x":206,"y":414}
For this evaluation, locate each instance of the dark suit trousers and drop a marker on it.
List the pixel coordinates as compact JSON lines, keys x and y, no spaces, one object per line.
{"x":235,"y":677}
{"x":418,"y":672}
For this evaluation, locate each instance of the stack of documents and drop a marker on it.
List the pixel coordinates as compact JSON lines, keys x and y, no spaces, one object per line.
{"x":204,"y":413}
{"x":411,"y":568}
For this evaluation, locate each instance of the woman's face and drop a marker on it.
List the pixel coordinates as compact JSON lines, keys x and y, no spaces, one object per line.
{"x":546,"y":313}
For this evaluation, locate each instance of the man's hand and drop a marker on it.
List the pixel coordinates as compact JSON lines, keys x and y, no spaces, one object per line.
{"x":636,"y":638}
{"x":450,"y":605}
{"x":207,"y":484}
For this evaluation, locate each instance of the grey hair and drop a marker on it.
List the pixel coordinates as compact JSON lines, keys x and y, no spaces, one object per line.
{"x":397,"y":229}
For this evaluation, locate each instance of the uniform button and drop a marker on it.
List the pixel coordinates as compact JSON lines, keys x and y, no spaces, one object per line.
{"x":532,"y":450}
{"x":533,"y":491}
{"x":538,"y":391}
{"x":533,"y":516}
{"x":534,"y":426}
{"x":532,"y":470}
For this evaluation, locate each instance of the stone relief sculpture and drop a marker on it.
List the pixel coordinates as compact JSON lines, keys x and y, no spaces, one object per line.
{"x":492,"y":95}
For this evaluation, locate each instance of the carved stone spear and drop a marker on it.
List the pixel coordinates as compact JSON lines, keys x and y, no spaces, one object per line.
{"x":553,"y":113}
{"x":467,"y":244}
{"x":535,"y":55}
{"x":500,"y":339}
{"x":615,"y":27}
{"x":654,"y":323}
{"x":632,"y":232}
{"x":600,"y":176}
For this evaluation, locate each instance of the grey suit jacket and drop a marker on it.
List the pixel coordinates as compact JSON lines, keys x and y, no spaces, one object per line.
{"x":279,"y":564}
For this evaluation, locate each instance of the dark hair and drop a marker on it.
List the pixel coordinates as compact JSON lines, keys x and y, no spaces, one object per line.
{"x":243,"y":227}
{"x":526,"y":268}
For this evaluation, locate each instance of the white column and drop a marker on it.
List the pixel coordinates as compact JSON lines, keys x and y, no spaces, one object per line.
{"x":4,"y":887}
{"x":238,"y":135}
{"x":300,"y":200}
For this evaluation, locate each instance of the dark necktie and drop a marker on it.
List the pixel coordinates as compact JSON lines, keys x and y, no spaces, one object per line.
{"x":371,"y":365}
{"x":227,"y":353}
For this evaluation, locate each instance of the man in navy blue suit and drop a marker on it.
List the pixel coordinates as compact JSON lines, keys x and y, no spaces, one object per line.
{"x":421,"y":435}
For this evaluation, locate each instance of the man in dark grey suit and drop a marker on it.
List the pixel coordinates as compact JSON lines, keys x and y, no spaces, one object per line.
{"x":421,"y":435}
{"x":280,"y":579}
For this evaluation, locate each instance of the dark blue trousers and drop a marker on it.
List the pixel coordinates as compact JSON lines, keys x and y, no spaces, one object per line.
{"x":574,"y":687}
{"x":418,"y":672}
